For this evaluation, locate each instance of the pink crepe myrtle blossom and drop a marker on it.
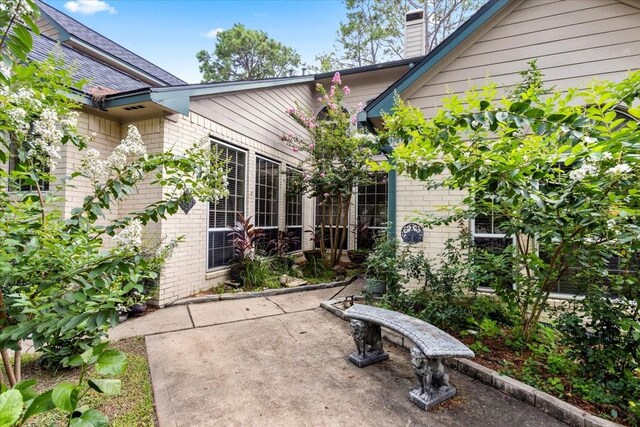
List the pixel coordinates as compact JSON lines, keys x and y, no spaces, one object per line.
{"x":336,"y":79}
{"x":332,"y":92}
{"x":295,"y":149}
{"x":346,"y":90}
{"x":312,"y":146}
{"x":354,"y":120}
{"x":322,"y":175}
{"x":326,"y":195}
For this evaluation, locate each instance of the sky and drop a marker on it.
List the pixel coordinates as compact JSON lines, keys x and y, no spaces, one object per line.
{"x":169,"y":33}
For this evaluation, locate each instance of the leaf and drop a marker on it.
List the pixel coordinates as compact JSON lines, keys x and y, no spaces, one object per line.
{"x":110,"y":387}
{"x":40,"y":404}
{"x":111,"y":362}
{"x":534,"y":113}
{"x":65,"y":397}
{"x":90,"y":418}
{"x":11,"y":405}
{"x":518,"y":107}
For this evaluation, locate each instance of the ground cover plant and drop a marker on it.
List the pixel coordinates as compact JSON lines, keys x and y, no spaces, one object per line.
{"x":60,"y":286}
{"x":559,"y":170}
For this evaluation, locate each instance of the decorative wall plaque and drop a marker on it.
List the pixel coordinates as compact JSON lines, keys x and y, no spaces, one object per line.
{"x":412,"y":233}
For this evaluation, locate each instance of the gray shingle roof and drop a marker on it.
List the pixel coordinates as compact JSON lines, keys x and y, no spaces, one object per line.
{"x":86,"y":68}
{"x":97,"y":40}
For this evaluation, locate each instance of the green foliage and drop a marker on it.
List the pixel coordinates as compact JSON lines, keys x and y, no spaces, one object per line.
{"x":561,"y":169}
{"x":22,"y":402}
{"x":335,"y":163}
{"x":258,"y":273}
{"x":385,"y":261}
{"x":244,"y":54}
{"x":374,"y":29}
{"x":59,"y":285}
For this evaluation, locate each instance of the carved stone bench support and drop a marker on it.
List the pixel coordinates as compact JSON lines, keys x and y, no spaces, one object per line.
{"x":368,"y":339}
{"x":433,"y":382}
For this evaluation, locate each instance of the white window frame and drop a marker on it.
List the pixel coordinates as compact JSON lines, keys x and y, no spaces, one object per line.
{"x":255,"y":196}
{"x":357,"y":204}
{"x":216,"y":141}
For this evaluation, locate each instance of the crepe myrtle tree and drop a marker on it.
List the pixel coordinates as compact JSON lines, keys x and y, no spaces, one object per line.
{"x":335,"y":163}
{"x":560,"y":169}
{"x":59,"y":285}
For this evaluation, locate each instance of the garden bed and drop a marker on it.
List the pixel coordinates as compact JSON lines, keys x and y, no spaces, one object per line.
{"x":134,"y":405}
{"x":497,"y":365}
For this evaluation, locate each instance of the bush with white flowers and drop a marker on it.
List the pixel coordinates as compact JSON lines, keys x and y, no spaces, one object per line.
{"x":59,"y":286}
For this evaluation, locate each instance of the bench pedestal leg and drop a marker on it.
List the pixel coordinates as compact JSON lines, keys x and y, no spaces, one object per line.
{"x":368,"y":339}
{"x":433,"y":382}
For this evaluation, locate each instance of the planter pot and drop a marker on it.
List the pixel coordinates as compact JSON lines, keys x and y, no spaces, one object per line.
{"x":137,"y":310}
{"x":312,"y":255}
{"x":235,"y":271}
{"x":357,"y":257}
{"x":374,"y":286}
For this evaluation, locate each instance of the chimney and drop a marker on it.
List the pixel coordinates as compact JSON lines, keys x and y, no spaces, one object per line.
{"x":414,"y":34}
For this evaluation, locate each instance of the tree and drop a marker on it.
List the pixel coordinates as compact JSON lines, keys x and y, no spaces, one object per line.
{"x":336,"y":163}
{"x":59,"y":285}
{"x":374,"y":29}
{"x":244,"y":54}
{"x":561,"y":169}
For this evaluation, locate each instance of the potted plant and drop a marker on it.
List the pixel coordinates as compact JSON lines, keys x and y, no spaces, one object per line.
{"x":314,"y":254}
{"x":281,"y":247}
{"x":383,"y":266}
{"x":359,"y":256}
{"x":244,"y":236}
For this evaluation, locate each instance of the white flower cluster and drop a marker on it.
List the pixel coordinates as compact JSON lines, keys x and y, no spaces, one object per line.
{"x":131,"y":145}
{"x":585,"y":170}
{"x":16,"y":7}
{"x":368,"y":137}
{"x":48,"y":137}
{"x":619,"y":169}
{"x":130,"y":238}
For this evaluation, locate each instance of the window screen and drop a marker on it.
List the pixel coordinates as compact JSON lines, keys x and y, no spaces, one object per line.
{"x":293,"y":221}
{"x":372,"y":211}
{"x":222,"y":215}
{"x":267,"y":193}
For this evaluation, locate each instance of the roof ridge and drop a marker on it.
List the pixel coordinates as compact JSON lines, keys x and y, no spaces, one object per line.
{"x":41,"y":3}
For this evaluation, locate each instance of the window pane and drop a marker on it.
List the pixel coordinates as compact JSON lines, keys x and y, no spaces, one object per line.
{"x":372,"y":210}
{"x":223,"y":214}
{"x":267,"y":189}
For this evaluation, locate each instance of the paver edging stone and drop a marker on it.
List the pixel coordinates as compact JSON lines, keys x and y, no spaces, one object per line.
{"x":257,"y":294}
{"x":551,"y":405}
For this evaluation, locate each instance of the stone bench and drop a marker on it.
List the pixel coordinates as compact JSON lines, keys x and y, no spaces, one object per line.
{"x":431,"y":346}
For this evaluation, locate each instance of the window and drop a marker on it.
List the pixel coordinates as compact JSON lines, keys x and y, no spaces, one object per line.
{"x":371,"y":211}
{"x":487,"y":234}
{"x":25,"y":183}
{"x":330,"y":209}
{"x":293,"y":220}
{"x":222,"y":215}
{"x":267,"y":193}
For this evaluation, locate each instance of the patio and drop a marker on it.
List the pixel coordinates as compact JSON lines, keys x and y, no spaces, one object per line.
{"x":281,"y":361}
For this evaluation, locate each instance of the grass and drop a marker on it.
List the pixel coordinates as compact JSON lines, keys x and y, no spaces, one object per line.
{"x":134,"y":405}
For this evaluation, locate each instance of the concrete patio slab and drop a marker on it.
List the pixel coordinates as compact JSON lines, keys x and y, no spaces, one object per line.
{"x":291,"y":370}
{"x":165,"y":320}
{"x":302,"y":301}
{"x":354,"y":288}
{"x":231,"y":311}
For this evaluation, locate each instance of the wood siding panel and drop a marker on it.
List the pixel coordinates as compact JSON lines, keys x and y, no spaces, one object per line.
{"x":593,"y":15}
{"x":573,"y":42}
{"x":259,"y":114}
